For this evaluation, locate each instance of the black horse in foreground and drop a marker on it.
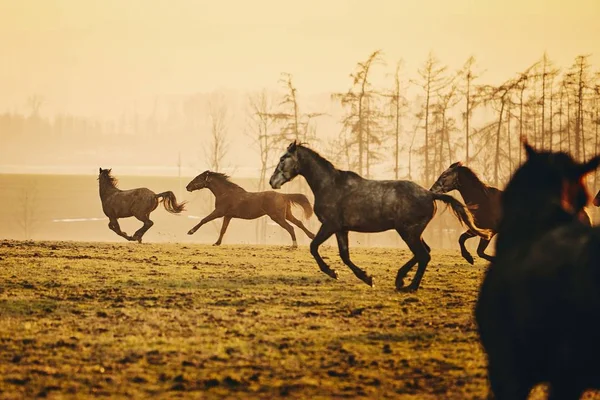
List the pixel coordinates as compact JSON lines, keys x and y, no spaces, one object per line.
{"x":538,"y":312}
{"x":344,"y":201}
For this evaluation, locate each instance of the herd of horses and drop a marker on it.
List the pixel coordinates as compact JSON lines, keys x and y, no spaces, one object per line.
{"x":538,"y":307}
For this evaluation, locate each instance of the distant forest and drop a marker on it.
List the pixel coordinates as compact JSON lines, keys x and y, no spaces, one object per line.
{"x":376,"y":131}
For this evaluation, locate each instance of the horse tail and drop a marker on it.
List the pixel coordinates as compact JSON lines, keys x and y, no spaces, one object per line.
{"x":302,"y":201}
{"x":170,"y":202}
{"x":463,"y":214}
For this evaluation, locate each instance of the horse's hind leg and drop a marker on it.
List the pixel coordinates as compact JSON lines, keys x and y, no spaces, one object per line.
{"x":113,"y":224}
{"x":405,"y":269}
{"x":421,"y":250}
{"x":483,"y":244}
{"x":322,"y":235}
{"x":342,"y":239}
{"x":290,"y":217}
{"x":463,"y":250}
{"x":280,"y":220}
{"x":140,"y":232}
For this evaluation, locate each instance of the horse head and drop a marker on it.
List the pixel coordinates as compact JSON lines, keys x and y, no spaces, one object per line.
{"x":546,"y":183}
{"x":287,"y":168}
{"x":448,"y":180}
{"x":199,"y":182}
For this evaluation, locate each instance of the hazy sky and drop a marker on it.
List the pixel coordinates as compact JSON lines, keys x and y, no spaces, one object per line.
{"x":97,"y":57}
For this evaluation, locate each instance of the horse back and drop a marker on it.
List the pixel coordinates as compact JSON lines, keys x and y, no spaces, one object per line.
{"x":130,"y":203}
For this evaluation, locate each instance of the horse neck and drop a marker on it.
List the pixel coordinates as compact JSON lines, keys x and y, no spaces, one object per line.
{"x":471,"y":189}
{"x":107,"y":188}
{"x":220,"y":187}
{"x":318,"y":176}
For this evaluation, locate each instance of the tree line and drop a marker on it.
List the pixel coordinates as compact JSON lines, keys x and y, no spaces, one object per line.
{"x":450,"y":116}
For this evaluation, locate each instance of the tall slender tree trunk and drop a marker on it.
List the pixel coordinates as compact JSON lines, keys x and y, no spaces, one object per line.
{"x":468,"y":117}
{"x":543,"y":100}
{"x":427,"y":99}
{"x":521,"y":121}
{"x":497,"y":157}
{"x":510,"y":158}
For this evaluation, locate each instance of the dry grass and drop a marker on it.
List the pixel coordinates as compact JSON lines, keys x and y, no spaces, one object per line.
{"x":140,"y":321}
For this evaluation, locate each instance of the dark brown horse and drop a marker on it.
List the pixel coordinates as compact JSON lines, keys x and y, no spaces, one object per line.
{"x":344,"y":201}
{"x":538,"y":308}
{"x":482,"y":200}
{"x":231,"y":201}
{"x":137,"y":203}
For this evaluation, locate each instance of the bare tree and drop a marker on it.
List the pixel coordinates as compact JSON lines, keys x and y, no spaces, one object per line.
{"x":260,"y":113}
{"x":362,"y":112}
{"x":397,"y":103}
{"x":34,"y":104}
{"x":471,"y":100}
{"x":579,"y":80}
{"x":261,"y":124}
{"x":218,"y":118}
{"x":27,"y":215}
{"x":500,"y":98}
{"x":547,"y":75}
{"x":432,"y":80}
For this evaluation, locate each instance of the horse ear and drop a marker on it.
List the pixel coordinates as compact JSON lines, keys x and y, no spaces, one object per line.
{"x":292,"y":147}
{"x":530,"y":151}
{"x":589,"y":166}
{"x":109,"y":170}
{"x":100,"y":170}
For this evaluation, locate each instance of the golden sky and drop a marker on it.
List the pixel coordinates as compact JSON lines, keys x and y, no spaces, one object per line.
{"x":96,"y":57}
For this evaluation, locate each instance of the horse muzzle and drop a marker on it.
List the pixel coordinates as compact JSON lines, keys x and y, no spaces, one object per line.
{"x":276,"y":181}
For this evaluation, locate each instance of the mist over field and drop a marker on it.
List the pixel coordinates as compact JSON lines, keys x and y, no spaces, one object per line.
{"x":159,"y":91}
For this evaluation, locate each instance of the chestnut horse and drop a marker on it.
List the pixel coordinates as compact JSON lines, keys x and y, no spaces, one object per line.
{"x":232,"y":201}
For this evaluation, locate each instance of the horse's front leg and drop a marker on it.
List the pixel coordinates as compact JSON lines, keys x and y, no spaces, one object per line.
{"x":463,"y":249}
{"x":342,"y":239}
{"x":324,"y":233}
{"x":483,"y":244}
{"x":213,"y":215}
{"x":113,"y":224}
{"x":223,"y":229}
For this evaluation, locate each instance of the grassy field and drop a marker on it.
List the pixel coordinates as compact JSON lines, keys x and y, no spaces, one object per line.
{"x":184,"y":320}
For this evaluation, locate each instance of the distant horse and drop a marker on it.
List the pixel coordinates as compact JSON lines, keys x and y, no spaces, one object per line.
{"x":137,"y":203}
{"x":344,"y":201}
{"x":231,"y":201}
{"x":537,"y":311}
{"x":482,"y":200}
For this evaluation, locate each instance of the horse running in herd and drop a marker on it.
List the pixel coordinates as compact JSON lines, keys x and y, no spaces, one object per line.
{"x":344,"y":202}
{"x":484,"y":203}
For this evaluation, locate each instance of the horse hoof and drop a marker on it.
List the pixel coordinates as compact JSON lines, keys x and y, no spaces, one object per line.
{"x":332,"y":274}
{"x":407,"y":289}
{"x":469,"y":258}
{"x":369,"y":281}
{"x":191,"y":232}
{"x":214,"y":244}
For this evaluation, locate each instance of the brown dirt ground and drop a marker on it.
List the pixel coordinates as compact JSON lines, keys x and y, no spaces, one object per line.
{"x":179,"y":320}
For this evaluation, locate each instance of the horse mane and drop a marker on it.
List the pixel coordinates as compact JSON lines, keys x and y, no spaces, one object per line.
{"x":322,"y":161}
{"x":224,"y":178}
{"x":107,"y":178}
{"x":471,"y":176}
